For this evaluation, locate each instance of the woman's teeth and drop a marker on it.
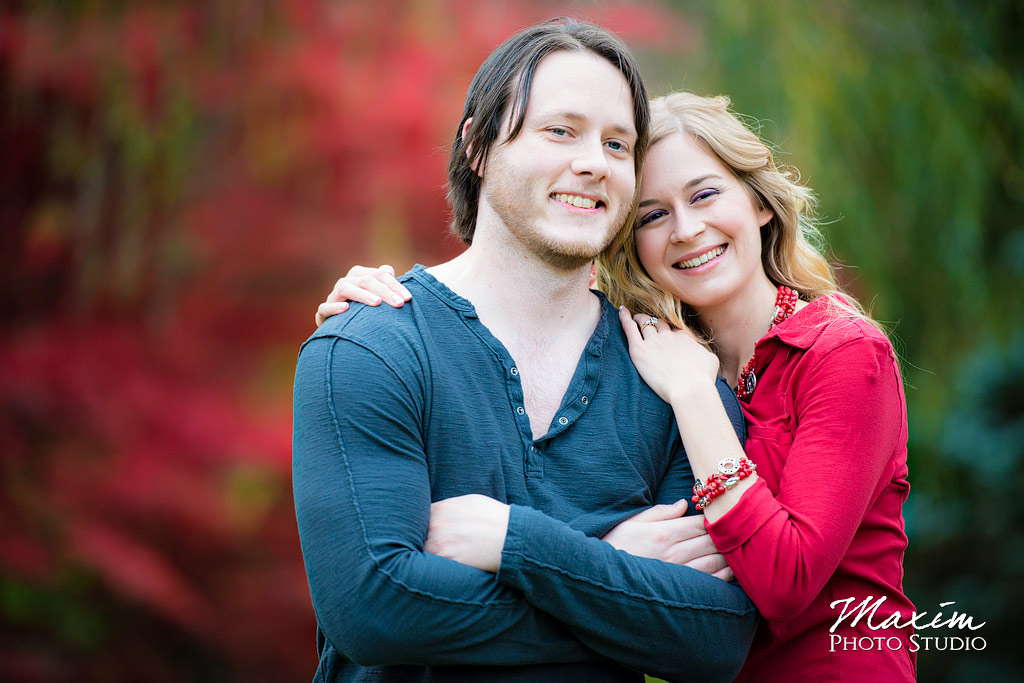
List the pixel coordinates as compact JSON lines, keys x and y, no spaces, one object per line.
{"x":699,"y":260}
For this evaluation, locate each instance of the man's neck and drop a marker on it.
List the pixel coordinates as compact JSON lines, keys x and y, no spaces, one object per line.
{"x":519,"y":288}
{"x":543,"y":315}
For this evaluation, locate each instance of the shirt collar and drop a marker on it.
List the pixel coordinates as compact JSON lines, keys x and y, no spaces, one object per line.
{"x":802,"y":328}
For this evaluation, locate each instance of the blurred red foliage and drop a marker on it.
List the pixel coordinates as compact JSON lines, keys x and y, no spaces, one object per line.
{"x":181,"y":183}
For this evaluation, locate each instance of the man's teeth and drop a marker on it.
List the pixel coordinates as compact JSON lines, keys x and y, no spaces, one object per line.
{"x":576,"y":200}
{"x":703,"y":258}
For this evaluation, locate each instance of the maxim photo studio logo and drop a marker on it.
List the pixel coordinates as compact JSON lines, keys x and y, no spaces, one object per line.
{"x":921,"y":639}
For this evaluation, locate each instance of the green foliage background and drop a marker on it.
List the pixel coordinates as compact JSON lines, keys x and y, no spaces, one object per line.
{"x":906,"y":118}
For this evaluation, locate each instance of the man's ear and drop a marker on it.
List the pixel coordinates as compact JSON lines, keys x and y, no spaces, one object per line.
{"x":473,"y":164}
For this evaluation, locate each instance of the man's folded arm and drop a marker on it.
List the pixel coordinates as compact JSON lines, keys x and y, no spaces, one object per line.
{"x":664,"y":619}
{"x":362,"y":500}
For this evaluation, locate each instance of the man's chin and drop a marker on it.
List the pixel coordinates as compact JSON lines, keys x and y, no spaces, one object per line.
{"x":569,"y":257}
{"x":565,"y":248}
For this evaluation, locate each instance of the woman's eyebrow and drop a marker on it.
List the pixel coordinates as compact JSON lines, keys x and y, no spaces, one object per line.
{"x":687,"y":186}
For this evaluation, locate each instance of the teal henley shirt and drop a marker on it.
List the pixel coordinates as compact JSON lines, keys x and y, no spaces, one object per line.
{"x":396,"y":408}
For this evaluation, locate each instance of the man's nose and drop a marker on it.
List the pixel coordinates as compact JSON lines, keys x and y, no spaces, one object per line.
{"x":590,"y":159}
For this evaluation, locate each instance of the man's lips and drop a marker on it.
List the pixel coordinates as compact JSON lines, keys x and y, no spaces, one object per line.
{"x":579,"y":201}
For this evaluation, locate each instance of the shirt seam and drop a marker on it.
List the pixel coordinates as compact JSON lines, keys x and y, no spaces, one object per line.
{"x":355,"y":497}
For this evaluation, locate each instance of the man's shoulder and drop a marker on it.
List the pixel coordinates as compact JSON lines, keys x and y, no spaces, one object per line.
{"x":375,"y":325}
{"x":384,"y":325}
{"x":424,"y":331}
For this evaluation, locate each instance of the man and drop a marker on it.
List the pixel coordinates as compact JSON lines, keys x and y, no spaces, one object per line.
{"x":506,"y":376}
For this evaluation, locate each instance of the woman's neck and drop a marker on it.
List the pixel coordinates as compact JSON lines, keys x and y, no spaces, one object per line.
{"x":737,"y":324}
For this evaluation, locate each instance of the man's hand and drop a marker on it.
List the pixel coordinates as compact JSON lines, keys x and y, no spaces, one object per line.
{"x":663,"y":533}
{"x":468,"y":529}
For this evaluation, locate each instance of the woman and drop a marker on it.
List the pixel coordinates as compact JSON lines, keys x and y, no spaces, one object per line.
{"x":809,"y":518}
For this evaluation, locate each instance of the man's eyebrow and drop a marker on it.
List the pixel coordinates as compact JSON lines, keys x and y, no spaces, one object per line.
{"x":618,"y":129}
{"x":687,"y":186}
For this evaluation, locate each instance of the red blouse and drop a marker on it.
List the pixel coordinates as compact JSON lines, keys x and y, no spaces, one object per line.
{"x":827,"y":427}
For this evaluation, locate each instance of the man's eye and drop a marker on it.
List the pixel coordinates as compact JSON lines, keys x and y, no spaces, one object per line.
{"x":652,"y":216}
{"x":617,"y":146}
{"x":559,"y":131}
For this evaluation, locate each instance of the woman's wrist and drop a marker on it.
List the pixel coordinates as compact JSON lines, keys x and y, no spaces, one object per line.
{"x":692,"y":391}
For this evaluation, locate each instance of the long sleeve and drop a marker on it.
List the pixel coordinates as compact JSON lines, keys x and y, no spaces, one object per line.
{"x":667,"y":620}
{"x":848,"y":408}
{"x":362,"y":500}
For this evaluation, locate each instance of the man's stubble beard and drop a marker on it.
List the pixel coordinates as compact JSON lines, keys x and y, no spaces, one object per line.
{"x":509,"y":195}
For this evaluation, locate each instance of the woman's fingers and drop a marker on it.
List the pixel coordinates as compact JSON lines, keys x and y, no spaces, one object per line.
{"x":386,"y":274}
{"x":709,"y":563}
{"x":638,"y":326}
{"x":649,"y":324}
{"x":658,"y":513}
{"x":365,"y":289}
{"x":326,"y":310}
{"x":370,"y":286}
{"x":629,"y":326}
{"x":725,"y":574}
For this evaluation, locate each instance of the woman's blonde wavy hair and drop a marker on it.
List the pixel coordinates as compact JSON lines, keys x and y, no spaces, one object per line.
{"x":791,"y":244}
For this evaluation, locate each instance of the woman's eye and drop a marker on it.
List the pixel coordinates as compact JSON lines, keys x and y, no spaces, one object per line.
{"x":652,"y":216}
{"x":702,"y":195}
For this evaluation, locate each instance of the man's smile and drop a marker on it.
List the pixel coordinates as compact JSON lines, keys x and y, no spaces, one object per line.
{"x":576,"y":200}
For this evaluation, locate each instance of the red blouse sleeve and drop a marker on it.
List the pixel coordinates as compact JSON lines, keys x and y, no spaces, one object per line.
{"x":850,"y":416}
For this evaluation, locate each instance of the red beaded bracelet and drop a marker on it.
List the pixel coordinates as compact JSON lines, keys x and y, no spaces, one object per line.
{"x":730,"y":472}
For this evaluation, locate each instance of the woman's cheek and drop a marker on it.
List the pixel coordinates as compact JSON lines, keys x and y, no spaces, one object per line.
{"x":650,"y":250}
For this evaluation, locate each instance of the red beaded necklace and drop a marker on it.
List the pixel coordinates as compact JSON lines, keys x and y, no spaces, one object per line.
{"x":785,"y":304}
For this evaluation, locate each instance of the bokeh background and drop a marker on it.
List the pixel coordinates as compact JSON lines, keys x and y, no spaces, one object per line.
{"x":181,"y":183}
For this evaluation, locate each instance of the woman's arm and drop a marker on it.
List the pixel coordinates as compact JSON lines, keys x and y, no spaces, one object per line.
{"x":683,"y":372}
{"x":851,"y":417}
{"x":850,"y":413}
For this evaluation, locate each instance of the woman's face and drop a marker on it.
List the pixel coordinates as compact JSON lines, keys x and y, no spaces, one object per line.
{"x":698,"y":230}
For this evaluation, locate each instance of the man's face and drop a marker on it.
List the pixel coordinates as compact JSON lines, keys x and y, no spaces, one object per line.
{"x":564,"y":186}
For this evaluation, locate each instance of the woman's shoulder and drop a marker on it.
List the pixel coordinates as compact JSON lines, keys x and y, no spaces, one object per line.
{"x":841,"y":332}
{"x":830,"y":322}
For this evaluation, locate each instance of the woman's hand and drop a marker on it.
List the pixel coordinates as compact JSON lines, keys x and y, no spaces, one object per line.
{"x":365,"y":285}
{"x":669,"y":360}
{"x":469,"y":529}
{"x":663,"y":533}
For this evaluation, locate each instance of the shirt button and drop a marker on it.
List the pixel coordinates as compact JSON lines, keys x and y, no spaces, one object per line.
{"x":563,"y":420}
{"x":514,"y":371}
{"x":584,"y":400}
{"x":520,"y":410}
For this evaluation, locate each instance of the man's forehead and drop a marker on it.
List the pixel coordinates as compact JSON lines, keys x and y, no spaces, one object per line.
{"x":581,"y":87}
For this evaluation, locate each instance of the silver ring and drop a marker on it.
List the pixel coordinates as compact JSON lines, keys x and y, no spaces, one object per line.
{"x":650,"y":321}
